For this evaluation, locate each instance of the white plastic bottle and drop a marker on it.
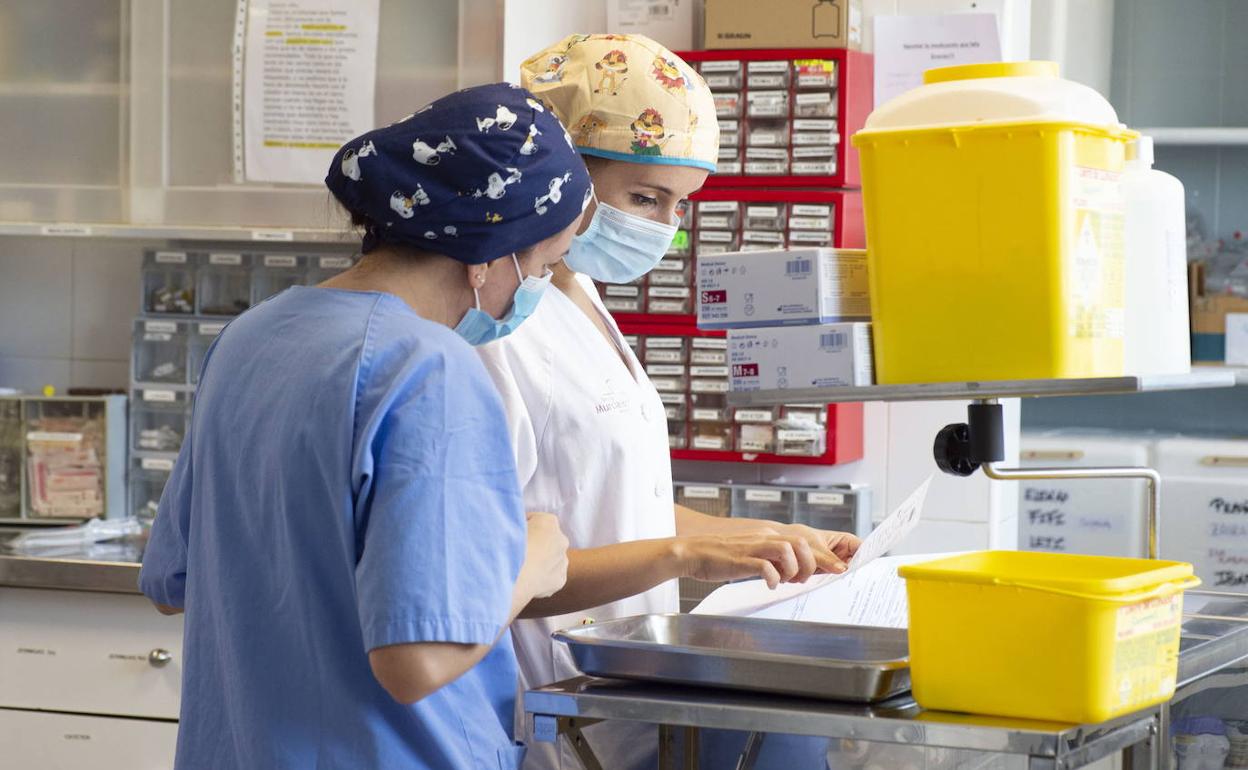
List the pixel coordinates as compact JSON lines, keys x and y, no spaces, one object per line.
{"x":1157,"y":328}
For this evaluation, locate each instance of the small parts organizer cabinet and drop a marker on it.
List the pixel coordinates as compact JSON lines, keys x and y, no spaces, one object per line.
{"x":786,"y":116}
{"x":689,"y":368}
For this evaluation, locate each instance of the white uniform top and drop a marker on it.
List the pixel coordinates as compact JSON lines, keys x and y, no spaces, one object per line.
{"x":591,"y":447}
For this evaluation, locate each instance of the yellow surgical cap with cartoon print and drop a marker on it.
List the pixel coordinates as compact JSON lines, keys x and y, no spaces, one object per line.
{"x":626,"y":97}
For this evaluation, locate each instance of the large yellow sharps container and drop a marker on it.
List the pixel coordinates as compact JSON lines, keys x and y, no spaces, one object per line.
{"x":994,"y":227}
{"x":1052,"y":636}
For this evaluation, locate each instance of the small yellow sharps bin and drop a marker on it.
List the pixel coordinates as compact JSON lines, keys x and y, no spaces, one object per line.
{"x":994,"y":227}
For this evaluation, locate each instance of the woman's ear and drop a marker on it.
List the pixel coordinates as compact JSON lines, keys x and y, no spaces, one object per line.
{"x":476,"y":275}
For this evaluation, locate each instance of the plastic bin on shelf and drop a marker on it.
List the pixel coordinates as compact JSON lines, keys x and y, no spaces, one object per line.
{"x":160,"y":351}
{"x":763,"y":503}
{"x":168,"y":282}
{"x":158,"y":419}
{"x":985,"y":634}
{"x":274,"y":273}
{"x":1204,"y":508}
{"x":991,"y":198}
{"x":224,"y":284}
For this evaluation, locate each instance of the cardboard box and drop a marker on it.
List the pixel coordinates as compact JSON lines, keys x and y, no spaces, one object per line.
{"x":824,"y":356}
{"x":783,"y":24}
{"x":782,"y":287}
{"x":1209,"y":312}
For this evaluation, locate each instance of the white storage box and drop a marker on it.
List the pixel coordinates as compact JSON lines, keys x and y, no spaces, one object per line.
{"x":1204,"y":508}
{"x":835,"y":355}
{"x":1103,"y":517}
{"x":782,"y":287}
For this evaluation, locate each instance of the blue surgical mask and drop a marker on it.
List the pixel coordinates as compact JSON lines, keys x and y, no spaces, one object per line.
{"x":619,"y":247}
{"x":479,"y":327}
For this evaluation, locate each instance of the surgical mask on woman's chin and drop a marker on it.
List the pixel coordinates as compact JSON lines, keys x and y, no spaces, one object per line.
{"x":478,"y":327}
{"x":619,"y":247}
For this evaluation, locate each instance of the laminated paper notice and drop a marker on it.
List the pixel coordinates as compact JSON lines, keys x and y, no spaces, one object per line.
{"x":310,"y":68}
{"x":751,"y":597}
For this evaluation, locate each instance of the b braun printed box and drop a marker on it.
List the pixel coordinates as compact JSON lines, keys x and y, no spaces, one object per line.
{"x":825,"y":356}
{"x":782,"y":287}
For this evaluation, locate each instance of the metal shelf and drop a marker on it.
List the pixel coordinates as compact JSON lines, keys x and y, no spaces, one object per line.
{"x":959,"y":391}
{"x":178,"y":232}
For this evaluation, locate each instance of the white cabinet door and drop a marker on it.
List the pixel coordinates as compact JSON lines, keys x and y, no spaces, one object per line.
{"x":31,"y":739}
{"x":85,"y":652}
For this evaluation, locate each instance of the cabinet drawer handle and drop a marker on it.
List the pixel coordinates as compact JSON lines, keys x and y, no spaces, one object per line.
{"x":159,"y":658}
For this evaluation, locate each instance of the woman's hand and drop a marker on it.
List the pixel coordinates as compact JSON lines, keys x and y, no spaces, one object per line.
{"x":776,"y":557}
{"x":842,"y":545}
{"x":545,"y":567}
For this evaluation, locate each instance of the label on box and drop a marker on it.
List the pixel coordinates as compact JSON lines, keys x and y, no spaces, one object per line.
{"x":797,"y":435}
{"x":765,"y":139}
{"x":614,"y":290}
{"x":716,"y":236}
{"x":763,"y":212}
{"x":708,"y":371}
{"x":671,"y":264}
{"x":156,"y":464}
{"x":673,"y":398}
{"x":666,"y":370}
{"x":665,"y":384}
{"x":335,"y":263}
{"x":711,"y":250}
{"x":710,"y":442}
{"x":766,"y":153}
{"x":768,"y":110}
{"x":808,"y":80}
{"x":672,"y":413}
{"x":160,"y":327}
{"x":814,"y":124}
{"x":621,"y":305}
{"x":767,"y":66}
{"x":280,"y":260}
{"x":809,"y":238}
{"x":768,"y":98}
{"x":728,"y":140}
{"x":729,"y":169}
{"x":713,"y":222}
{"x":721,"y":81}
{"x":210,"y":329}
{"x":814,"y":167}
{"x":766,"y":168}
{"x":822,"y":224}
{"x":672,"y":306}
{"x":671,"y":292}
{"x":665,"y":342}
{"x":728,"y":153}
{"x":225,"y":259}
{"x":710,"y":343}
{"x":754,"y":415}
{"x":815,"y":98}
{"x":709,"y":357}
{"x":668,"y":279}
{"x":701,"y":493}
{"x":728,"y":65}
{"x":708,"y":386}
{"x":664,"y":356}
{"x":164,"y":396}
{"x":810,"y":210}
{"x":815,"y":138}
{"x":272,"y":235}
{"x":753,"y":445}
{"x":728,"y":126}
{"x":718,"y":207}
{"x":727,"y":104}
{"x":814,"y":152}
{"x":170,"y":258}
{"x":764,"y":236}
{"x":825,"y":498}
{"x":708,"y":415}
{"x":764,"y":495}
{"x":765,"y":81}
{"x":54,"y":437}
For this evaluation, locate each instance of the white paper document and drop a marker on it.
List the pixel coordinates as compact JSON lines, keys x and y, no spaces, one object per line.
{"x":908,"y":46}
{"x":310,"y":74}
{"x":753,"y":596}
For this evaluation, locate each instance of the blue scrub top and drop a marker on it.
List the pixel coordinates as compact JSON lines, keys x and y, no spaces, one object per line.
{"x":347,"y":483}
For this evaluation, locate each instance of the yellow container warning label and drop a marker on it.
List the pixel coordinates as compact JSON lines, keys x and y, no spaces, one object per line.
{"x":1146,"y":649}
{"x":1096,"y":276}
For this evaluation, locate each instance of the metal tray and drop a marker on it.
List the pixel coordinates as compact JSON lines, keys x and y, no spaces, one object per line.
{"x":814,"y":660}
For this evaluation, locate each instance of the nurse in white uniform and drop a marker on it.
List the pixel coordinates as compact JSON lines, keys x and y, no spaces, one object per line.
{"x":589,"y":429}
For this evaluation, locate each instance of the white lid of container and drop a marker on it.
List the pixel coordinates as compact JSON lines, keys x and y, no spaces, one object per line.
{"x":996,"y":92}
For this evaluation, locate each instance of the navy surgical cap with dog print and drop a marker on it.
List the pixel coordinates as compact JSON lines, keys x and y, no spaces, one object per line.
{"x":476,"y":175}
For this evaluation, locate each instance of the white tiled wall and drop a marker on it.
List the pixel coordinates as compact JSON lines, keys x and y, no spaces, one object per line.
{"x":65,"y":311}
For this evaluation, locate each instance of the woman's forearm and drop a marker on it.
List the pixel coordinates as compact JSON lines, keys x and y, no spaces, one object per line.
{"x":598,"y":576}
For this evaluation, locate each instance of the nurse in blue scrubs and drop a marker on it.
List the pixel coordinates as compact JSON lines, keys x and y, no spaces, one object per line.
{"x":343,"y":528}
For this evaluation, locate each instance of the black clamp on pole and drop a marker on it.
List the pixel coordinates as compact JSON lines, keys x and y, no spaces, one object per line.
{"x":960,"y":449}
